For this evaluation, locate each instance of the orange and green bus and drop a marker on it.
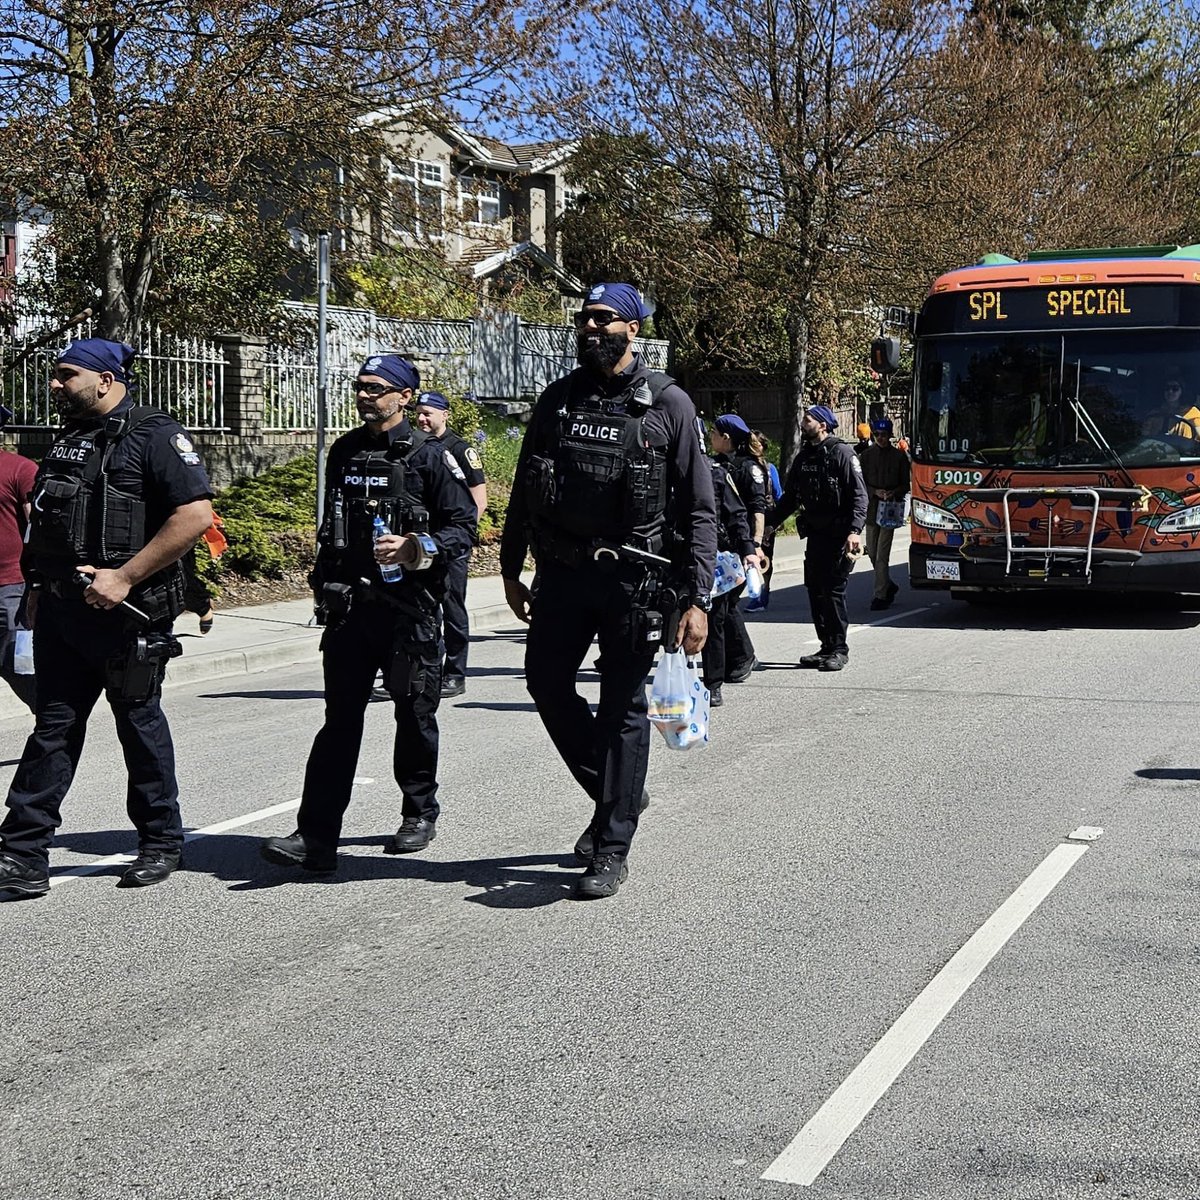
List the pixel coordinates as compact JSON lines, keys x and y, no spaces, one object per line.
{"x":1055,"y":429}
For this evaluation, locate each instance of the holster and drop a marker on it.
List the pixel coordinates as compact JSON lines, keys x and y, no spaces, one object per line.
{"x":137,"y":674}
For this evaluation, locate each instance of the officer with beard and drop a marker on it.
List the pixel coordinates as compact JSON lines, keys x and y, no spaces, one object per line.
{"x":118,"y":499}
{"x":825,"y":486}
{"x":385,"y":471}
{"x":614,"y":496}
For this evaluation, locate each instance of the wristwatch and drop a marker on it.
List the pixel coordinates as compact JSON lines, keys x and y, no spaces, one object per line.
{"x":704,"y":603}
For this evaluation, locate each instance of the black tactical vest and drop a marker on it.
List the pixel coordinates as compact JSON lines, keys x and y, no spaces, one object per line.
{"x":596,"y":477}
{"x":76,"y":515}
{"x":377,"y":481}
{"x":820,"y":491}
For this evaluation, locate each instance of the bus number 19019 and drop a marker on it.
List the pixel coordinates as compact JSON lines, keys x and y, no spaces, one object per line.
{"x":957,"y":478}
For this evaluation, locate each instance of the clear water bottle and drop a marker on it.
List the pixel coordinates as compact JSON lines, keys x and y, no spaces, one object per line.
{"x":754,"y":582}
{"x":23,"y":652}
{"x":388,"y":573}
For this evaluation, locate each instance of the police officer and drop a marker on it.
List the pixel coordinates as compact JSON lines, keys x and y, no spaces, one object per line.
{"x":615,"y":498}
{"x":725,"y":623}
{"x":464,"y":462}
{"x":119,"y":498}
{"x":824,"y":486}
{"x":385,"y":472}
{"x":732,"y":449}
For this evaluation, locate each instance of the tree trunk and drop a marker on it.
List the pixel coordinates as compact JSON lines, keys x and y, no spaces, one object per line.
{"x":797,"y":332}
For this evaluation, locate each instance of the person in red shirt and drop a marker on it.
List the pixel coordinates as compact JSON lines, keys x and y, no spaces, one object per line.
{"x":16,"y":484}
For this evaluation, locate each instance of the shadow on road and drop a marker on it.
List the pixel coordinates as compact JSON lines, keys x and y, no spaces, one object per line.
{"x":1182,"y":774}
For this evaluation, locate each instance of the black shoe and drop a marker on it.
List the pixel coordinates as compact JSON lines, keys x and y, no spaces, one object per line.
{"x":714,"y":697}
{"x":585,"y":848}
{"x":835,"y":662}
{"x":22,"y":878}
{"x":877,"y":604}
{"x":453,"y":685}
{"x":602,"y":878}
{"x":415,"y":833}
{"x":150,"y":867}
{"x":743,"y":672}
{"x":296,"y":850}
{"x":812,"y":662}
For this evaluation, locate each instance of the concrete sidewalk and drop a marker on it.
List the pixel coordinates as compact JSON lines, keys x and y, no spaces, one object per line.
{"x":264,"y":636}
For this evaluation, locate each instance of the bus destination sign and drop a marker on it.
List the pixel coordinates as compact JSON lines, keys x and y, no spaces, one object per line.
{"x":1094,"y":306}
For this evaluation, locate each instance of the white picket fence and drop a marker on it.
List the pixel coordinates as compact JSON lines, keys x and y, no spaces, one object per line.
{"x":184,"y":376}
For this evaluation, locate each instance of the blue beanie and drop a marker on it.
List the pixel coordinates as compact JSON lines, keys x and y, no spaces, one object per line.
{"x":733,"y":426}
{"x":433,"y":400}
{"x":623,"y":299}
{"x":99,"y":354}
{"x":396,"y":370}
{"x":824,"y":414}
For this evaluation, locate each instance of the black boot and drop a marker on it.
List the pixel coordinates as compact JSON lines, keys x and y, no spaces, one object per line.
{"x":602,"y":879}
{"x":150,"y":867}
{"x":415,"y":833}
{"x":296,"y":850}
{"x":22,"y":878}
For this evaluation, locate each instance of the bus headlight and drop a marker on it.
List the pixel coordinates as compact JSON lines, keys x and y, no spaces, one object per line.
{"x":929,"y":516}
{"x":1178,"y":522}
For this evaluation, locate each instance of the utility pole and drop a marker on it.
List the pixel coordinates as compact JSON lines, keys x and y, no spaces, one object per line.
{"x":322,"y":367}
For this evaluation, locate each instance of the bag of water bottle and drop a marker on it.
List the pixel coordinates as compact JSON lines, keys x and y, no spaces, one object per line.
{"x":729,"y":573}
{"x":23,"y":652}
{"x":890,"y":514}
{"x":679,"y":701}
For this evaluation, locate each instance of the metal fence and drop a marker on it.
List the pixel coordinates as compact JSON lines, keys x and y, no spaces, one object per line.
{"x":184,"y":376}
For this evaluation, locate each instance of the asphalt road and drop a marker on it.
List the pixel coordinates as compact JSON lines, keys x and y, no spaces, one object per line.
{"x":454,"y":1026}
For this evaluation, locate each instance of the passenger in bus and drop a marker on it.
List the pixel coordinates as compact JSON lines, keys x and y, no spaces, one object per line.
{"x":1187,"y":421}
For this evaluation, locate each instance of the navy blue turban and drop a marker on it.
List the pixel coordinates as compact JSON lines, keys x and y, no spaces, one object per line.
{"x":98,"y":354}
{"x":399,"y":372}
{"x":433,"y":400}
{"x":733,"y":426}
{"x":824,"y":414}
{"x":623,"y":299}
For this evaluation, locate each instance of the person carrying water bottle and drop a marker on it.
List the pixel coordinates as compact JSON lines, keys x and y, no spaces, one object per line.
{"x":394,"y":515}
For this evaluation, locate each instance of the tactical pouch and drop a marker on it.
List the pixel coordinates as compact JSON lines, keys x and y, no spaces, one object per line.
{"x":63,"y":507}
{"x":162,"y":600}
{"x":336,"y":599}
{"x":541,"y":491}
{"x":137,"y":675}
{"x":122,"y":524}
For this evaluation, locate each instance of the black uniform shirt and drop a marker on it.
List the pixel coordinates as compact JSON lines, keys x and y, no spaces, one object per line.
{"x":464,"y":456}
{"x":751,"y":480}
{"x":452,"y":512}
{"x":155,"y":462}
{"x":671,"y":423}
{"x":825,"y":480}
{"x":734,"y":533}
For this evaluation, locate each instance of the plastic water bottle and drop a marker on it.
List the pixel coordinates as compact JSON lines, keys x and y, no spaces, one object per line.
{"x":388,"y":573}
{"x":754,"y":582}
{"x":23,"y":652}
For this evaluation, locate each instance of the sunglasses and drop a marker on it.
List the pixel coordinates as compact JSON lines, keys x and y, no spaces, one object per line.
{"x":602,"y":319}
{"x":374,"y":390}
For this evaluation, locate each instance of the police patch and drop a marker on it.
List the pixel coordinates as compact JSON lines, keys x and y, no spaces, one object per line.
{"x":372,"y":363}
{"x":856,"y":464}
{"x":182,"y":446}
{"x":452,"y":463}
{"x":473,"y":459}
{"x":756,"y":473}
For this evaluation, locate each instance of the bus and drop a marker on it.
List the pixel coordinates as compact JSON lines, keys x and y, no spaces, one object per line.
{"x":1055,"y":424}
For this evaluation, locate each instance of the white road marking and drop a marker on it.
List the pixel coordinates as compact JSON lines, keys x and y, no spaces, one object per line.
{"x":812,"y":1149}
{"x":908,"y":612}
{"x":117,"y":860}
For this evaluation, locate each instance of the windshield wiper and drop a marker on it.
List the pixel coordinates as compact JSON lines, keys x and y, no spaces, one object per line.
{"x":1094,"y":433}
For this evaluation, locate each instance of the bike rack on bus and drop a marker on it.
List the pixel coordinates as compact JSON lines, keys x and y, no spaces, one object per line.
{"x":1048,"y":552}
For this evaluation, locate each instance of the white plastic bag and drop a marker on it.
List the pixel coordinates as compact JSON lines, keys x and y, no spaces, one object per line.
{"x":890,"y":514}
{"x":23,"y":652}
{"x":679,"y":702}
{"x":729,"y":573}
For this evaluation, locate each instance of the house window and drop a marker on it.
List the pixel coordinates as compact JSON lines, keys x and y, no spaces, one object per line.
{"x":570,"y":197}
{"x":480,"y":200}
{"x":418,"y":197}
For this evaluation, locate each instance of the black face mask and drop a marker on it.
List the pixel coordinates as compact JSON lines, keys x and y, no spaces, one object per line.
{"x":607,"y":351}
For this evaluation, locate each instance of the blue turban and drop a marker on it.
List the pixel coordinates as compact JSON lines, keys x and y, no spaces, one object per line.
{"x":433,"y":400}
{"x":396,"y":370}
{"x":883,"y":425}
{"x":98,"y":354}
{"x":824,"y":414}
{"x":623,"y":299}
{"x":733,"y":426}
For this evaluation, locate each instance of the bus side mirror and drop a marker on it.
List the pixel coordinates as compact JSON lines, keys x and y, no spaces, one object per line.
{"x":885,"y":355}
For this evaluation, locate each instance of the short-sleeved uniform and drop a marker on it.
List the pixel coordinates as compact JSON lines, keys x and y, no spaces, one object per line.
{"x":579,"y":597}
{"x":463,"y":460}
{"x":75,"y":645}
{"x":393,"y":628}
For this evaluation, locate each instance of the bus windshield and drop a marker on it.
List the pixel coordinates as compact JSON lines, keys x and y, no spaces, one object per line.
{"x":1073,"y":399}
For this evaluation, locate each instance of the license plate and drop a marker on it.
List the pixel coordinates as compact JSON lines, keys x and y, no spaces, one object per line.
{"x":940,"y":569}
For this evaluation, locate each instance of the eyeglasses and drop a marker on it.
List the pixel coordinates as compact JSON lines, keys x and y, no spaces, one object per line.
{"x":374,"y":390}
{"x":601,"y":318}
